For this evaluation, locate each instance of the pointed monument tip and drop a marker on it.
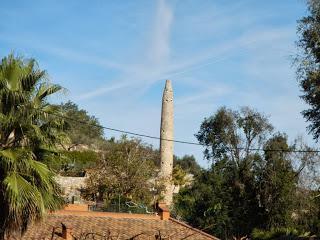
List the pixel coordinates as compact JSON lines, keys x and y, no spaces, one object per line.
{"x":168,"y":84}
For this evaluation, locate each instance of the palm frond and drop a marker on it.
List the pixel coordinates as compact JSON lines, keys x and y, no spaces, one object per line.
{"x":46,"y":90}
{"x":28,"y":139}
{"x":29,"y":81}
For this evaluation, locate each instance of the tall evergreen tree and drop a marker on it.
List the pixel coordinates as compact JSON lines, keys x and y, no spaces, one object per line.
{"x":308,"y":62}
{"x":277,"y":182}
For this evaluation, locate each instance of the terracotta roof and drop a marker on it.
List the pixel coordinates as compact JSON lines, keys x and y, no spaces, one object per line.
{"x":117,"y":225}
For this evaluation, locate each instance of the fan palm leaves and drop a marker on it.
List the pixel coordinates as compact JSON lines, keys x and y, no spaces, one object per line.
{"x":29,"y":134}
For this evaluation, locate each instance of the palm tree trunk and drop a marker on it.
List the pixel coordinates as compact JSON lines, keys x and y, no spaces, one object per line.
{"x":3,"y":209}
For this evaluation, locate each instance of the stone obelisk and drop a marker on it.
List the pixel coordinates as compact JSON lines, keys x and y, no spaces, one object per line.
{"x":166,"y":147}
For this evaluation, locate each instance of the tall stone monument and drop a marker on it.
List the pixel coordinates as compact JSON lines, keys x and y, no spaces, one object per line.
{"x":166,"y":147}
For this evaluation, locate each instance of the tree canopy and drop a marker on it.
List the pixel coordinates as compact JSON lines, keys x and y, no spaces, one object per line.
{"x":187,"y":163}
{"x":231,"y":134}
{"x":248,"y":191}
{"x":308,"y":63}
{"x":83,"y":129}
{"x":126,"y":170}
{"x":29,"y":134}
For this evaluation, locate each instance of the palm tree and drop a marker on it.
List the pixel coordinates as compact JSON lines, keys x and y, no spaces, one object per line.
{"x":29,"y":133}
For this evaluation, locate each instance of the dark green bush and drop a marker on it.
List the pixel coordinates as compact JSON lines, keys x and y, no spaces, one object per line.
{"x":280,"y":234}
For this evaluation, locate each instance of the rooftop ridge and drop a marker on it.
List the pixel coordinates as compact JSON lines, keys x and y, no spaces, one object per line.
{"x":105,"y":214}
{"x":193,"y":229}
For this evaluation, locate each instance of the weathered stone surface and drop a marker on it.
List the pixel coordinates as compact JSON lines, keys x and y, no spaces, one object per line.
{"x":71,"y":186}
{"x":166,"y":147}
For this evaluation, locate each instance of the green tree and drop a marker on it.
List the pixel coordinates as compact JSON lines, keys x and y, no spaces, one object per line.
{"x":271,"y":191}
{"x":308,"y":74}
{"x":206,"y":203}
{"x":308,"y":62}
{"x":277,"y":183}
{"x":85,"y":130}
{"x":179,"y":176}
{"x":126,"y":169}
{"x":76,"y":163}
{"x":29,"y":134}
{"x":306,"y":165}
{"x":188,"y":163}
{"x":228,"y":136}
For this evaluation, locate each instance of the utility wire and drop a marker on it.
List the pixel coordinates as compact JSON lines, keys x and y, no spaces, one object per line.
{"x":176,"y":141}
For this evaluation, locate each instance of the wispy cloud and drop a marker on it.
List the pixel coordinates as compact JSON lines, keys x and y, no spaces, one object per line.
{"x":145,"y":75}
{"x":66,"y":53}
{"x":159,"y":65}
{"x":102,"y":90}
{"x":160,"y":44}
{"x":157,"y":52}
{"x":217,"y":91}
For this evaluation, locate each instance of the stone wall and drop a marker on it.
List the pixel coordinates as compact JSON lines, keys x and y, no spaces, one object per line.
{"x":71,"y":186}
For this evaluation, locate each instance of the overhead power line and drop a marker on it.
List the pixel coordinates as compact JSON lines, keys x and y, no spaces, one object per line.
{"x":176,"y":141}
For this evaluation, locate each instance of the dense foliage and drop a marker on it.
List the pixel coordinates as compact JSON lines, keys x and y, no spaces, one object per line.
{"x":187,"y":163}
{"x":288,"y":233}
{"x":83,"y":129}
{"x":308,"y":61}
{"x":247,"y":189}
{"x":126,"y":170}
{"x":29,"y":134}
{"x":76,"y":163}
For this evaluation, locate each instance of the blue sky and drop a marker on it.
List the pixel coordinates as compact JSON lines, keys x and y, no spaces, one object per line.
{"x":114,"y":57}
